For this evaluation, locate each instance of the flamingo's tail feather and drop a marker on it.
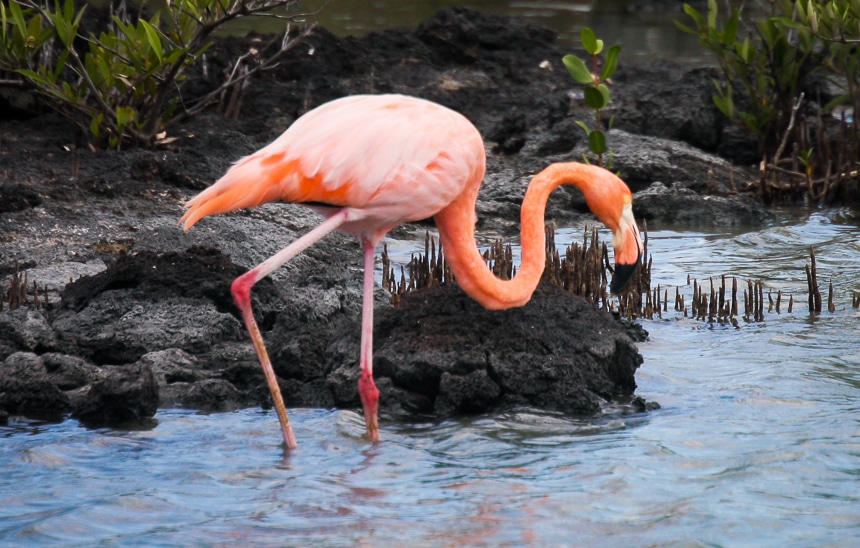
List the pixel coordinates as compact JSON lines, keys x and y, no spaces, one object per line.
{"x":244,"y":185}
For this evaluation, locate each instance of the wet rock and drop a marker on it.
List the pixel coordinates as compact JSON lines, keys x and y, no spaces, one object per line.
{"x":681,"y":206}
{"x":443,"y":353}
{"x":127,"y":393}
{"x":26,"y":389}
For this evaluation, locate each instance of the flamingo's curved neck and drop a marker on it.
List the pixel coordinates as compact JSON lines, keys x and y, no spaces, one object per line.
{"x":457,"y":234}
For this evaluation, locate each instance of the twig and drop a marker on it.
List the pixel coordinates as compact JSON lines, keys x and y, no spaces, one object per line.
{"x":203,"y":102}
{"x":797,"y":102}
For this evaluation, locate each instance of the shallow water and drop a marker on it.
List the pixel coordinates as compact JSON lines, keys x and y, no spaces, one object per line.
{"x":757,"y":443}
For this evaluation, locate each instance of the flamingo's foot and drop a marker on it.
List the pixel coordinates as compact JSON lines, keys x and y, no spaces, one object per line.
{"x":370,"y":402}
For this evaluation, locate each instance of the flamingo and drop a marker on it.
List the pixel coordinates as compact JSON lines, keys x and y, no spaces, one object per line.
{"x":368,"y":163}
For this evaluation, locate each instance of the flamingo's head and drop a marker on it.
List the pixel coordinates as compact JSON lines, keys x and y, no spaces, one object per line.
{"x":628,"y":249}
{"x":610,"y":199}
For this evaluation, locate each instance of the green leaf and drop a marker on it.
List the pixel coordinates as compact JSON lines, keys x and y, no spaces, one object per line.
{"x":577,"y":69}
{"x":730,"y":31}
{"x":104,"y":71}
{"x":839,"y":100}
{"x":594,"y":97}
{"x":65,"y":31}
{"x":611,"y":62}
{"x":34,"y":28}
{"x":153,"y":39}
{"x":597,"y":141}
{"x":750,"y":121}
{"x":584,"y":127}
{"x":723,"y":100}
{"x":589,"y":40}
{"x":124,"y":28}
{"x":745,"y":50}
{"x":80,"y":14}
{"x":3,"y":25}
{"x":96,"y":123}
{"x":68,"y":12}
{"x":766,"y":31}
{"x":724,"y":104}
{"x":17,"y":17}
{"x":58,"y":68}
{"x":712,"y":14}
{"x":174,"y":55}
{"x":604,"y":90}
{"x":684,"y":28}
{"x":34,"y":76}
{"x":124,"y":115}
{"x":695,"y":15}
{"x":66,"y":22}
{"x":68,"y":94}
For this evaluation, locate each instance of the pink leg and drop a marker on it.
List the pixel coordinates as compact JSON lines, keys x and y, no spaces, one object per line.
{"x":366,"y":387}
{"x":242,"y":296}
{"x":241,"y":289}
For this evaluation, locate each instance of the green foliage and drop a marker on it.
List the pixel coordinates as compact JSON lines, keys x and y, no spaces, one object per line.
{"x":767,"y":64}
{"x":835,"y":26}
{"x":123,"y":84}
{"x":597,"y":90}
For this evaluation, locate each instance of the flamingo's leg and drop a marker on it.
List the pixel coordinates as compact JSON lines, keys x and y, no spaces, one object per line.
{"x":366,"y":387}
{"x":241,"y":289}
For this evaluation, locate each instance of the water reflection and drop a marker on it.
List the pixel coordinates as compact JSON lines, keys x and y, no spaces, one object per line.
{"x":644,"y":30}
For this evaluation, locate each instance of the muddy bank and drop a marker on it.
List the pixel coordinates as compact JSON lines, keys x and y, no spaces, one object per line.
{"x":147,"y":318}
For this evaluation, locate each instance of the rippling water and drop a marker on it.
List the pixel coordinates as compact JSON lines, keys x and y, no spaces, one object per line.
{"x":757,"y":443}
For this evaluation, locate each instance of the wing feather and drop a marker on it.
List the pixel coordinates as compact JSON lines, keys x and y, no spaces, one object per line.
{"x":402,"y":155}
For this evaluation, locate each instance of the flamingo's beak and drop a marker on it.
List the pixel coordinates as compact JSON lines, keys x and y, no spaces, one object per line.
{"x":628,"y":250}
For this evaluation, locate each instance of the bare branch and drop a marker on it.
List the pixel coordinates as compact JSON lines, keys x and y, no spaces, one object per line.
{"x":234,"y":79}
{"x":797,"y":102}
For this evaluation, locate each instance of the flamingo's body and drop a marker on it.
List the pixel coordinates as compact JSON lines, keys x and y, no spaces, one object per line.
{"x":371,"y":162}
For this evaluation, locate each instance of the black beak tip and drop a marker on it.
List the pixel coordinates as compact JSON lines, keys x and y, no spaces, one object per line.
{"x":623,"y":274}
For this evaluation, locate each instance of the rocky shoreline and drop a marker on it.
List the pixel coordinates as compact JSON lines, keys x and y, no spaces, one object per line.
{"x":137,"y":314}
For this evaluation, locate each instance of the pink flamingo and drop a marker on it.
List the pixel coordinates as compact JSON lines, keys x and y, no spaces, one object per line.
{"x":368,"y":163}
